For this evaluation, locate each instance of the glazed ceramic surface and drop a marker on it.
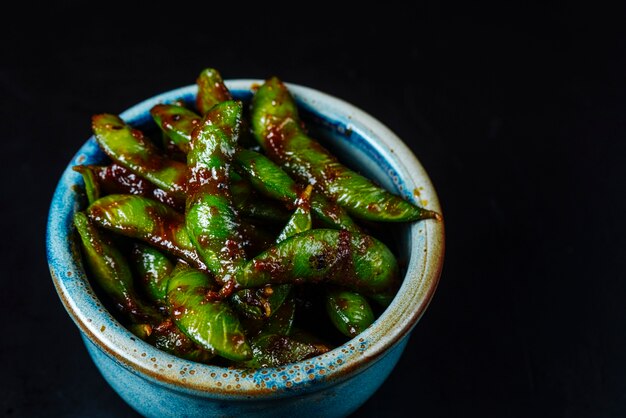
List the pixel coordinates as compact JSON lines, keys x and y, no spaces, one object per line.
{"x":157,"y":384}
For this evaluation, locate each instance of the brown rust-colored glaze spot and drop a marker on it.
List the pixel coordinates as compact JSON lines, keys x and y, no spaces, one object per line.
{"x":102,"y":328}
{"x":169,"y":366}
{"x":143,"y":354}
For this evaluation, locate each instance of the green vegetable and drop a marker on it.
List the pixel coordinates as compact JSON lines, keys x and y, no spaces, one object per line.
{"x":353,"y":260}
{"x":186,"y":266}
{"x":264,"y":175}
{"x":108,"y":267}
{"x":147,"y":220}
{"x":129,"y":148}
{"x":209,"y":323}
{"x":177,"y":123}
{"x":249,"y":204}
{"x":211,"y":90}
{"x":277,"y":128}
{"x":92,"y":188}
{"x":349,"y":312}
{"x":263,"y":302}
{"x":211,"y":220}
{"x":154,"y":269}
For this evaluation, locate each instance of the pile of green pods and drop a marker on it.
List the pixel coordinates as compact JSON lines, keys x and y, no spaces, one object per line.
{"x":213,"y":239}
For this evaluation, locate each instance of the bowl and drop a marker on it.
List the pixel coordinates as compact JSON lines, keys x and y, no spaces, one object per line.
{"x":157,"y":384}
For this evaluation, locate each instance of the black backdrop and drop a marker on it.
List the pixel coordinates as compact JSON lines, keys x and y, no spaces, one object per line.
{"x":517,"y":115}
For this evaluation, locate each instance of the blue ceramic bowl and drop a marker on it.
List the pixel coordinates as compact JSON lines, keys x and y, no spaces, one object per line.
{"x":157,"y":384}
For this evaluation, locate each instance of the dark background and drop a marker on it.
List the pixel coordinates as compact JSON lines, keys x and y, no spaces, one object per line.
{"x":517,"y":115}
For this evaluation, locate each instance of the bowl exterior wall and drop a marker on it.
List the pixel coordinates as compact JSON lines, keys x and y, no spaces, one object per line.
{"x":154,"y":400}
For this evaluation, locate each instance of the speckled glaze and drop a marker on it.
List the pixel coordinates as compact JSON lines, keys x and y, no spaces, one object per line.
{"x":157,"y":384}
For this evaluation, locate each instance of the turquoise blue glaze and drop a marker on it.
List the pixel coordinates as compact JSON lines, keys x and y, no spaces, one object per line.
{"x":157,"y":384}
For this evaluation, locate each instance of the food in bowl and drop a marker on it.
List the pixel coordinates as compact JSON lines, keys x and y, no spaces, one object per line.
{"x":223,"y":242}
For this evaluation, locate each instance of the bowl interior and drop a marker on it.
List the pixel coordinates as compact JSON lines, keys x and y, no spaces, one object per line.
{"x":360,"y":142}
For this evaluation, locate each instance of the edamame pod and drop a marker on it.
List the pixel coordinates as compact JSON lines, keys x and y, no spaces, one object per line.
{"x":276,"y":126}
{"x":209,"y":323}
{"x":154,"y":269}
{"x":353,"y":260}
{"x":273,"y":350}
{"x":92,"y":188}
{"x":263,"y":302}
{"x":111,"y":271}
{"x":129,"y":148}
{"x":212,"y":222}
{"x":264,"y":175}
{"x":147,"y":220}
{"x":117,"y":179}
{"x":272,"y":181}
{"x":211,"y":90}
{"x":349,"y":311}
{"x":177,"y":123}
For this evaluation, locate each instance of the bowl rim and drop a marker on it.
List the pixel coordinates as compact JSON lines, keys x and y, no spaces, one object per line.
{"x":356,"y":355}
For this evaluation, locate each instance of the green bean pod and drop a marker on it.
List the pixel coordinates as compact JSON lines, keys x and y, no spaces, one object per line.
{"x":153,"y":269}
{"x":272,"y":181}
{"x":147,"y":220}
{"x":211,"y":90}
{"x":263,"y":302}
{"x":109,"y":268}
{"x":129,"y":148}
{"x":209,"y":323}
{"x":274,"y":346}
{"x":276,"y":126}
{"x":349,"y":311}
{"x":117,"y":179}
{"x":249,"y":204}
{"x":264,"y":175}
{"x":177,"y":123}
{"x":211,"y":220}
{"x":352,"y":260}
{"x":167,"y":337}
{"x":274,"y":350}
{"x":90,"y":178}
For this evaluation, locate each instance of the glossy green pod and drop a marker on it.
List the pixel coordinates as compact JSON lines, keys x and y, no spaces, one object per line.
{"x":166,"y":336}
{"x":264,"y":175}
{"x":209,"y":323}
{"x":147,"y":220}
{"x":211,"y":220}
{"x":129,"y":148}
{"x":276,"y":126}
{"x":274,"y":350}
{"x":110,"y":269}
{"x":108,"y":266}
{"x":263,"y":302}
{"x":211,"y":90}
{"x":352,"y":260}
{"x":117,"y":179}
{"x":153,"y":271}
{"x":249,"y":204}
{"x":301,"y":220}
{"x":177,"y":123}
{"x":269,"y":179}
{"x":90,"y":178}
{"x":349,"y":311}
